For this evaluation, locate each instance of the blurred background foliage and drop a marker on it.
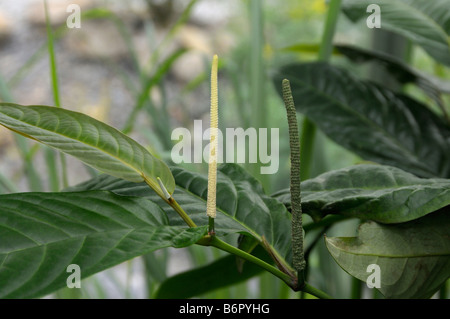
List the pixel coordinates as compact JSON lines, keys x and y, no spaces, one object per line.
{"x":143,"y":67}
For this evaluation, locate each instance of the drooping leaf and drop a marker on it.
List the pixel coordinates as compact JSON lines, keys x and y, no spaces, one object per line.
{"x":374,"y":122}
{"x":91,"y":141}
{"x":402,"y":72}
{"x":242,"y":206}
{"x":426,"y":23}
{"x":43,"y":233}
{"x":218,"y":274}
{"x":413,"y":257}
{"x":381,"y":193}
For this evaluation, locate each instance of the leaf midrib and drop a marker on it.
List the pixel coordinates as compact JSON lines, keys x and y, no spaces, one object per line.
{"x":128,"y":230}
{"x":245,"y":226}
{"x":92,"y":230}
{"x":251,"y":231}
{"x":142,"y":174}
{"x":305,"y":192}
{"x":399,"y":256}
{"x":384,"y":255}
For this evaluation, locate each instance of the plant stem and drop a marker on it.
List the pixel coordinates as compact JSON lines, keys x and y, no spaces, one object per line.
{"x":172,"y":202}
{"x":208,"y":240}
{"x":128,"y":279}
{"x":290,"y":281}
{"x":167,"y":197}
{"x":162,"y":128}
{"x":52,"y":59}
{"x":315,"y":292}
{"x":34,"y":180}
{"x":216,"y":242}
{"x":50,"y":159}
{"x":8,"y":185}
{"x":443,"y":291}
{"x":356,"y":288}
{"x":308,"y":127}
{"x":65,"y":178}
{"x":257,"y":64}
{"x":211,"y":230}
{"x":50,"y":154}
{"x":326,"y":46}
{"x":257,"y":81}
{"x":183,"y":18}
{"x":143,"y":98}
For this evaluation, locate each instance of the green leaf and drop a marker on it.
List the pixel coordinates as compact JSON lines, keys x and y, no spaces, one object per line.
{"x":381,"y":193}
{"x":374,"y":122}
{"x":43,"y":233}
{"x":218,"y":274}
{"x":426,"y":23}
{"x":431,"y":85}
{"x":402,"y":72}
{"x":89,"y":140}
{"x":242,"y":206}
{"x":414,"y":257}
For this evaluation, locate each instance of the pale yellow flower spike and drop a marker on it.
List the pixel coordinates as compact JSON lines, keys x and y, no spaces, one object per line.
{"x":212,"y":167}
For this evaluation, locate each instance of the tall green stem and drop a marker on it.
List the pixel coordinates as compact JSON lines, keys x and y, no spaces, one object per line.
{"x":34,"y":180}
{"x":326,"y":46}
{"x":308,"y":128}
{"x":443,"y":292}
{"x":7,"y":184}
{"x":315,"y":292}
{"x":50,"y":154}
{"x":356,"y":288}
{"x":257,"y":79}
{"x":291,"y":282}
{"x":216,"y":242}
{"x":162,"y":126}
{"x":208,"y":240}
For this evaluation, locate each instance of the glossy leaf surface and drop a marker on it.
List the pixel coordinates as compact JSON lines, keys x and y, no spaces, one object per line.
{"x":43,"y":233}
{"x":376,"y":192}
{"x":242,"y":206}
{"x":374,"y":122}
{"x":426,"y":23}
{"x":93,"y":142}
